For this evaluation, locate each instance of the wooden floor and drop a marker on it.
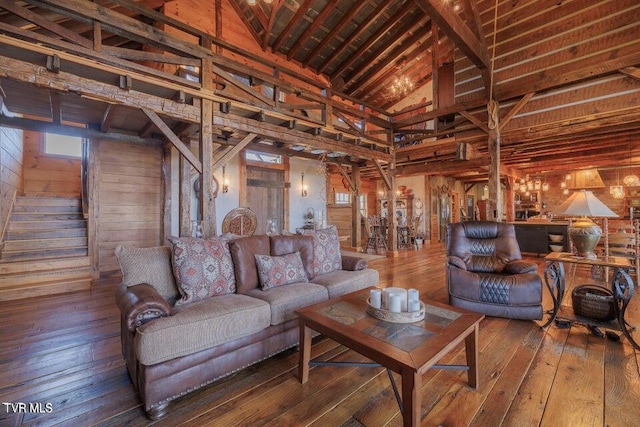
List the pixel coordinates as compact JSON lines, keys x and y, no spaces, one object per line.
{"x":63,"y":352}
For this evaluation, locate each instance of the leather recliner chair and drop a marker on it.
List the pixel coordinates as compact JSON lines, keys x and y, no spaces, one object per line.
{"x":486,"y":273}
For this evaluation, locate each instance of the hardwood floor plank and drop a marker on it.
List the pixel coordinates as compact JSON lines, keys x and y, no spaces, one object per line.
{"x":621,"y":385}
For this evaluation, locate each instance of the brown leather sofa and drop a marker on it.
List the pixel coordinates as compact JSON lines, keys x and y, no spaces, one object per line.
{"x":172,"y":350}
{"x":486,"y":273}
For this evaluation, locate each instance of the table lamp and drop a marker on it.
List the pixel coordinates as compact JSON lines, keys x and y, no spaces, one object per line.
{"x":584,"y":233}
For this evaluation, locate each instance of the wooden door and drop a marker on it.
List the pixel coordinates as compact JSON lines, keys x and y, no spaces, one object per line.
{"x":266,"y":196}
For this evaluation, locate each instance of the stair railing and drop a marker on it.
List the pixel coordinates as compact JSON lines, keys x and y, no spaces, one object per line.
{"x":84,"y":181}
{"x":6,"y":220}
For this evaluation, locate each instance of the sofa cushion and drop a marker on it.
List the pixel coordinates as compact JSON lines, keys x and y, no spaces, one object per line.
{"x":243,"y":253}
{"x":148,"y":265}
{"x":285,"y":300}
{"x":326,"y":250}
{"x":286,"y":244}
{"x":275,"y":271}
{"x":343,"y":282}
{"x":202,"y":268}
{"x":199,"y":326}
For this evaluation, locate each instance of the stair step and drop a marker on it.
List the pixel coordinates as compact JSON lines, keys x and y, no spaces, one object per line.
{"x":44,"y":244}
{"x":46,"y":234}
{"x":44,"y":254}
{"x":46,"y":216}
{"x":45,"y":225}
{"x":46,"y":208}
{"x":31,"y":278}
{"x":56,"y":287}
{"x":48,"y":201}
{"x":43,"y":265}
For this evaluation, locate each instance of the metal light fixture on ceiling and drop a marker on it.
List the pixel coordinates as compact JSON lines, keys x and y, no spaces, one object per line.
{"x":401,"y":86}
{"x":617,"y":191}
{"x":253,"y":2}
{"x":631,"y":180}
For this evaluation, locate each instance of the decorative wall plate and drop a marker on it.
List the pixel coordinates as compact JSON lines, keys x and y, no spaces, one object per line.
{"x":240,"y":221}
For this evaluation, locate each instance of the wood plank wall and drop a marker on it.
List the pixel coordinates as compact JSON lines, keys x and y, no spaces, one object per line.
{"x":341,"y":216}
{"x":48,"y":175}
{"x":129,"y":200}
{"x":543,"y":37}
{"x":11,"y":178}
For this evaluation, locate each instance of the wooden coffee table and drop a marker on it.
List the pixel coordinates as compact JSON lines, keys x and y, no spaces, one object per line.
{"x":406,"y":348}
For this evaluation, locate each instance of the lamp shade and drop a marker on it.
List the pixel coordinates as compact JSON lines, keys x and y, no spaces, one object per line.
{"x":584,"y":233}
{"x":584,"y":203}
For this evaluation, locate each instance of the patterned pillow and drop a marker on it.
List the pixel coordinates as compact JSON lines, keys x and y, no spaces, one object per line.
{"x":326,"y":250}
{"x":276,"y":271}
{"x":202,"y":268}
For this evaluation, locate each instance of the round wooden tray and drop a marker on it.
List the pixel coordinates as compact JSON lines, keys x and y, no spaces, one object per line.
{"x":240,"y":221}
{"x":402,"y":317}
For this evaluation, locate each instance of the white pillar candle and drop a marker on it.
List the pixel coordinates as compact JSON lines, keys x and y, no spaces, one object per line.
{"x":400,"y":291}
{"x":413,"y":294}
{"x":394,"y":303}
{"x":414,"y":305}
{"x":375,"y":298}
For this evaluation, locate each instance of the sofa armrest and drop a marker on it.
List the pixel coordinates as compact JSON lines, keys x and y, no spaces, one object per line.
{"x":520,"y":266}
{"x":141,"y":303}
{"x":353,"y":263}
{"x":455,"y":261}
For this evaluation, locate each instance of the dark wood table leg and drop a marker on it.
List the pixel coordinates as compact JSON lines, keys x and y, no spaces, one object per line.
{"x":411,"y":398}
{"x":471,"y":348}
{"x":305,"y":352}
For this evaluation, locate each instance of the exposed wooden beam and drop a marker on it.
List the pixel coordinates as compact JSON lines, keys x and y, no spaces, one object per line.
{"x":352,"y":186}
{"x":243,"y":87}
{"x":631,"y":72}
{"x":515,"y":109}
{"x":56,"y":107}
{"x":317,"y":21}
{"x":377,"y":35}
{"x":107,"y":118}
{"x":475,"y":121}
{"x":442,"y":13}
{"x":302,"y":10}
{"x":223,"y":159}
{"x":173,"y":138}
{"x":383,"y":174}
{"x":377,"y":13}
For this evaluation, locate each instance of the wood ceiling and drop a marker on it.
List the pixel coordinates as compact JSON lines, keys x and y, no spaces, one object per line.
{"x":566,"y":73}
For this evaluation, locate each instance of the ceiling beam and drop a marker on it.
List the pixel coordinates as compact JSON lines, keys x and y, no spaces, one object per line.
{"x":317,"y":21}
{"x":455,"y":28}
{"x":295,"y":19}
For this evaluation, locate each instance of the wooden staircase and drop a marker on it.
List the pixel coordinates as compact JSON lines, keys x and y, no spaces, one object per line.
{"x":45,"y":249}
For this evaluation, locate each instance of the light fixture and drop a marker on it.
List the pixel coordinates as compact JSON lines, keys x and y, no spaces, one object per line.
{"x":401,"y":86}
{"x":225,"y":180}
{"x":253,"y":2}
{"x":584,"y":233}
{"x":617,"y":191}
{"x":631,"y":180}
{"x":303,"y":187}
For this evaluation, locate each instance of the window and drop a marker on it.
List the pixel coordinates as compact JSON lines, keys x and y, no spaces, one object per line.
{"x":342,"y":199}
{"x":362,"y":205}
{"x":62,"y":145}
{"x":257,"y":156}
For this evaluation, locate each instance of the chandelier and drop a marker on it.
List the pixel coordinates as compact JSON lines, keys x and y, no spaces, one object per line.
{"x":253,"y":2}
{"x":401,"y":86}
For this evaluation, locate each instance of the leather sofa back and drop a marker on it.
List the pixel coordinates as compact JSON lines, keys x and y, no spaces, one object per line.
{"x":282,"y":245}
{"x":484,"y":246}
{"x":244,"y":263}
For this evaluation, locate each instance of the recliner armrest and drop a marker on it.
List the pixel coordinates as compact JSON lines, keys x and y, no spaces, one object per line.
{"x":456,"y":262}
{"x":141,"y":303}
{"x":521,"y":266}
{"x":353,"y":263}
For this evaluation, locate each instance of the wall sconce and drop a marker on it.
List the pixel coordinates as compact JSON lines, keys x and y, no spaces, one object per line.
{"x":225,"y":180}
{"x":303,"y":187}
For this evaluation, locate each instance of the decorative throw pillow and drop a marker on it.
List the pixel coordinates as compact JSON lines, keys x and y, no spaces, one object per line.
{"x":276,"y":271}
{"x":326,"y":250}
{"x":148,"y":265}
{"x":202,"y":268}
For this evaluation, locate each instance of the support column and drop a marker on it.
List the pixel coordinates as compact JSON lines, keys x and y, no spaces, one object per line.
{"x":495,"y":195}
{"x":356,"y":217}
{"x":207,"y":199}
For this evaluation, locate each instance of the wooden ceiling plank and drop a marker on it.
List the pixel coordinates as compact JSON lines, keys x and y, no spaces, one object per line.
{"x":442,"y":13}
{"x":335,"y":31}
{"x":376,"y":36}
{"x":515,"y":109}
{"x":377,"y":13}
{"x":275,"y":7}
{"x":173,"y":138}
{"x":317,"y":21}
{"x":398,"y":49}
{"x":295,"y":20}
{"x":233,"y":151}
{"x":25,"y":13}
{"x":247,"y":25}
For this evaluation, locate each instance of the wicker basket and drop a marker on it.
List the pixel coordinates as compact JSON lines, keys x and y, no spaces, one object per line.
{"x":402,"y":317}
{"x":594,"y":302}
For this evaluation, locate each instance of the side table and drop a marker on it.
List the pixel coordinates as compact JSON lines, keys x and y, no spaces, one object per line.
{"x":622,"y":287}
